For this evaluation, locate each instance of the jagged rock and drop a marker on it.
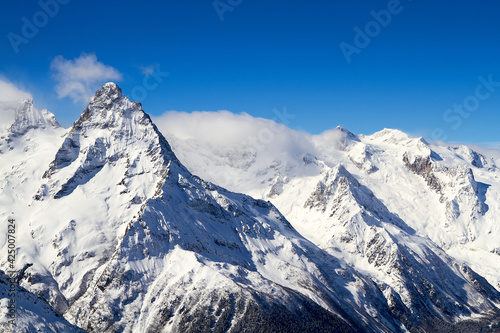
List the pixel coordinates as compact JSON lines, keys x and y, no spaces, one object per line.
{"x":422,"y":166}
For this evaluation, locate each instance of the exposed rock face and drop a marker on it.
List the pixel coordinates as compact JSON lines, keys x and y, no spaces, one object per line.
{"x":422,"y":166}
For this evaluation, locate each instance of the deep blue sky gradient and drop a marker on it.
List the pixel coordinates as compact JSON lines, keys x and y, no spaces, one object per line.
{"x":272,"y":54}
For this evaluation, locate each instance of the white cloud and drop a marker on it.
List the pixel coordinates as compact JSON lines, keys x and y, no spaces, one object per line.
{"x":240,"y":138}
{"x":226,"y":129}
{"x":490,"y":149}
{"x":231,"y":141}
{"x":81,"y":77}
{"x":9,"y":92}
{"x":9,"y":95}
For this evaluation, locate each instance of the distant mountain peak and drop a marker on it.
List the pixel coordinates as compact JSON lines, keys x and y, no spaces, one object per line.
{"x":389,"y":134}
{"x":397,"y":137}
{"x":346,"y":131}
{"x":28,"y":117}
{"x":339,"y":137}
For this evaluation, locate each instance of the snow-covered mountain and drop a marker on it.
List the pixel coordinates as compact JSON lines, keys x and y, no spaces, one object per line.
{"x":28,"y":116}
{"x":117,"y":235}
{"x":411,"y":215}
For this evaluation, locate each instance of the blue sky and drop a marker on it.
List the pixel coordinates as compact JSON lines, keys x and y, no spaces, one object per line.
{"x":413,"y":71}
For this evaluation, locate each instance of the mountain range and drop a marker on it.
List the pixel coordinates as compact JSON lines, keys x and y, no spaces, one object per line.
{"x":123,"y":226}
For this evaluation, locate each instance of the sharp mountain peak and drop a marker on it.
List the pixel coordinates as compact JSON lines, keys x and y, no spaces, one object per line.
{"x":28,"y":116}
